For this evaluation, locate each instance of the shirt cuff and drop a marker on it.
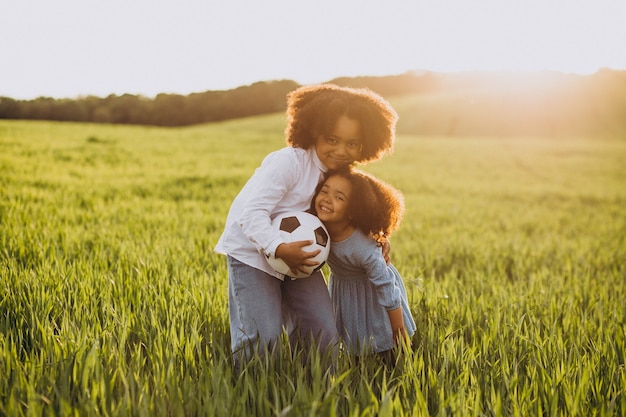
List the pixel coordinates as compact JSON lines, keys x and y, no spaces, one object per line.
{"x":270,"y":250}
{"x":395,"y":305}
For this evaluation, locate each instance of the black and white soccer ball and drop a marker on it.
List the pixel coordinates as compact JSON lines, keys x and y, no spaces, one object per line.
{"x":300,"y":225}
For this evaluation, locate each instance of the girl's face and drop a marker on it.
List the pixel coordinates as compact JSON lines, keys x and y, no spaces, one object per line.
{"x":331,"y":203}
{"x":342,"y":146}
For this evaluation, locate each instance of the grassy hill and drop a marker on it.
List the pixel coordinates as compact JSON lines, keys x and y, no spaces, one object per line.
{"x":112,"y":301}
{"x":546,"y":105}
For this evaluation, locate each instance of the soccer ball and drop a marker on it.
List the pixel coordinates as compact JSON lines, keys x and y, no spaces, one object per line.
{"x":300,"y":225}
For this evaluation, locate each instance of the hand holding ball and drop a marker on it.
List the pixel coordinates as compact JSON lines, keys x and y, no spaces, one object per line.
{"x":296,"y":226}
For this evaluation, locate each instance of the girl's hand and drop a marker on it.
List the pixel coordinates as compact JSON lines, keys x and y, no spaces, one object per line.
{"x":295,"y":257}
{"x":400,"y":337}
{"x":397,"y":327}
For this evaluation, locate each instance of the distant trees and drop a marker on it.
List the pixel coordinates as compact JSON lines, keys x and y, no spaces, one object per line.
{"x":392,"y":85}
{"x":500,"y":104}
{"x":178,"y":110}
{"x":163,"y":110}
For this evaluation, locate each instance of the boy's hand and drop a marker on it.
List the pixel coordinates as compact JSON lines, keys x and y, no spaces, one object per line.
{"x":295,"y":257}
{"x":386,"y":248}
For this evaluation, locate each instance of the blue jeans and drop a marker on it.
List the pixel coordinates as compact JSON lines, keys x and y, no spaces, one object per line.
{"x":260,"y":305}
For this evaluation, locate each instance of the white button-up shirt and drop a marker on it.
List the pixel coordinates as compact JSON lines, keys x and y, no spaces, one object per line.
{"x":284,"y":182}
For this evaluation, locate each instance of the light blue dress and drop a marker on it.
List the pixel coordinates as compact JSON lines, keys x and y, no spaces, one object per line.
{"x":363,"y":288}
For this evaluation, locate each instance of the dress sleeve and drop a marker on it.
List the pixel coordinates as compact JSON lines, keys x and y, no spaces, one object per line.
{"x":388,"y":294}
{"x":276,"y":176}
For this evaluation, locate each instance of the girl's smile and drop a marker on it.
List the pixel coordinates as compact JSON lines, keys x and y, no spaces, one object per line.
{"x":331,"y":205}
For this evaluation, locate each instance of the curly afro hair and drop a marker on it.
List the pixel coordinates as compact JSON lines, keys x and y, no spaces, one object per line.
{"x":314,"y":110}
{"x":375,"y":207}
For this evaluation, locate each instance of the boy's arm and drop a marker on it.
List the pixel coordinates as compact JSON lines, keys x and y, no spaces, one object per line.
{"x":267,"y":187}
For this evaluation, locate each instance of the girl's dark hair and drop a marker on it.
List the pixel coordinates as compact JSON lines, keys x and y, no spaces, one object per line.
{"x":374,"y":207}
{"x":314,"y":110}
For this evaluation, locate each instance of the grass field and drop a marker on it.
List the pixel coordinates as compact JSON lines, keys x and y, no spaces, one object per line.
{"x":113,"y":303}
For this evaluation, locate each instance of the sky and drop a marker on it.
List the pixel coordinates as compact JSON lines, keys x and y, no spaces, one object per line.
{"x":73,"y":48}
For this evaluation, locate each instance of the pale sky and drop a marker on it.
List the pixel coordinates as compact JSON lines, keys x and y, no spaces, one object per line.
{"x":70,"y":48}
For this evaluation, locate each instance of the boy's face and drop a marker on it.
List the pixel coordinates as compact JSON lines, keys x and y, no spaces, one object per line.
{"x":331,"y":203}
{"x":342,"y":146}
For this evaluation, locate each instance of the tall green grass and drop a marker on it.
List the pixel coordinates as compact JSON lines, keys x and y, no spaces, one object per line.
{"x":112,"y":301}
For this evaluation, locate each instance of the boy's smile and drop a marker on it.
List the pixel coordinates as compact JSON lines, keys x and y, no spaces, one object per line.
{"x":342,"y":146}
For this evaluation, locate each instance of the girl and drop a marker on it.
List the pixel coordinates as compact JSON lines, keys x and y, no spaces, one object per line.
{"x":369,"y":298}
{"x":329,"y":127}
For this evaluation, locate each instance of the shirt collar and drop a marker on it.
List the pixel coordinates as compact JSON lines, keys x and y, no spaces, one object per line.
{"x":316,"y":160}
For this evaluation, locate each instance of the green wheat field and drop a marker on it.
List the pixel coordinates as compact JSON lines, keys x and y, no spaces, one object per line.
{"x":112,"y":302}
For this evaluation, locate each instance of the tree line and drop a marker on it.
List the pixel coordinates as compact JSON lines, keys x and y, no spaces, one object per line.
{"x":163,"y":110}
{"x":180,"y":110}
{"x":476,"y":103}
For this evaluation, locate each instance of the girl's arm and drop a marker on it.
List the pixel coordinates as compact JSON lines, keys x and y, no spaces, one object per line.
{"x":375,"y":267}
{"x":387,"y":293}
{"x":397,"y":325}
